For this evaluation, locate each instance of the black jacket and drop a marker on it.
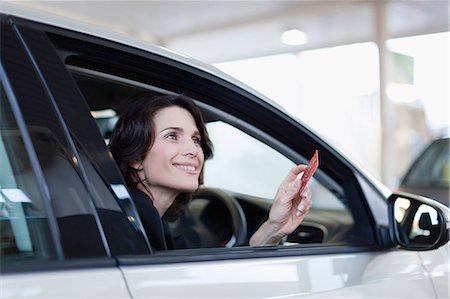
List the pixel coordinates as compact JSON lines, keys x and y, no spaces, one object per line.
{"x":150,"y":219}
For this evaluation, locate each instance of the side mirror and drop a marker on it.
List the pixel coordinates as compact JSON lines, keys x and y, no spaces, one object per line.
{"x":418,"y":223}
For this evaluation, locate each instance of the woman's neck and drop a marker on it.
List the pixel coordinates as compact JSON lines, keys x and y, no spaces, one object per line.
{"x":161,"y":197}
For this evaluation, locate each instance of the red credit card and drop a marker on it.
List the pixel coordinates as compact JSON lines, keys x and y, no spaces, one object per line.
{"x":309,"y":172}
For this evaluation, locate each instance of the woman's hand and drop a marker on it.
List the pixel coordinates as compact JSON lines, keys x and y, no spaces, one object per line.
{"x":288,"y":210}
{"x":289,"y":207}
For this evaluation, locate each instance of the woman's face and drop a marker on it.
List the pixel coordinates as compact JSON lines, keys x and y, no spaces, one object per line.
{"x":175,"y":160}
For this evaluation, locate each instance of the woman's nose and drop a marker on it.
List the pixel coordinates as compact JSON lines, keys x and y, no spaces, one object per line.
{"x":191,"y":149}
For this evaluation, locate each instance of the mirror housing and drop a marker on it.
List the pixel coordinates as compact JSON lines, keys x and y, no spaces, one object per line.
{"x":418,"y":223}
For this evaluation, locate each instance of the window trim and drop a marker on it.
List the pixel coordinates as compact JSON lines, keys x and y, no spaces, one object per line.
{"x":40,"y":50}
{"x":35,"y":166}
{"x":59,"y":265}
{"x":236,"y":253}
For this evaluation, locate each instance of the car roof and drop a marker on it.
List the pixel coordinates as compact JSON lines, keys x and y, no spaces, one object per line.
{"x":15,"y":9}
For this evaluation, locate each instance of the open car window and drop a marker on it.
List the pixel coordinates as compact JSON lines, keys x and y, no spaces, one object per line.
{"x":243,"y":167}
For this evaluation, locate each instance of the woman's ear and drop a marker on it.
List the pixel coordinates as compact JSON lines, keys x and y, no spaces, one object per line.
{"x":136,"y":165}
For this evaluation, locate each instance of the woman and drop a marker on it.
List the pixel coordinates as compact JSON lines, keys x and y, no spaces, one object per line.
{"x":161,"y":144}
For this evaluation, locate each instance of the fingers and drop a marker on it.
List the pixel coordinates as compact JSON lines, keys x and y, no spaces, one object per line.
{"x":292,"y":175}
{"x":305,"y":203}
{"x":305,"y":193}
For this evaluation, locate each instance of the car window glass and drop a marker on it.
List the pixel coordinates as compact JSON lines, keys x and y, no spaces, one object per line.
{"x":432,"y":168}
{"x":119,"y":220}
{"x":69,"y":197}
{"x":24,"y":229}
{"x":71,"y":203}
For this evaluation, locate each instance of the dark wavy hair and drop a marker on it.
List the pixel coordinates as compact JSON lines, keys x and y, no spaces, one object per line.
{"x":134,"y":134}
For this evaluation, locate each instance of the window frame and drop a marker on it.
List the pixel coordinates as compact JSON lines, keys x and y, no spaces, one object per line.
{"x":94,"y":160}
{"x":18,"y":82}
{"x":9,"y":85}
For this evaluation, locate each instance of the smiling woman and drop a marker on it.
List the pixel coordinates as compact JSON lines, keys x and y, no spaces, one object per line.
{"x":148,"y":131}
{"x":175,"y":156}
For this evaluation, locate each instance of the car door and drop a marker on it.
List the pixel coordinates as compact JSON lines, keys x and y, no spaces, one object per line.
{"x":362,"y":265}
{"x":51,"y":243}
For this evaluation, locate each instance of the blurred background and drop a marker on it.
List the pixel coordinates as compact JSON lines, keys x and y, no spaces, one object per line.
{"x":371,"y":77}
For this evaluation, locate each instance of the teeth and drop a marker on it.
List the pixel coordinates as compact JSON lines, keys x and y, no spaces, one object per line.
{"x":185,"y":167}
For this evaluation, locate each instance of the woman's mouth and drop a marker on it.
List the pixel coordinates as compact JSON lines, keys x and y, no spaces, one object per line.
{"x":186,"y":167}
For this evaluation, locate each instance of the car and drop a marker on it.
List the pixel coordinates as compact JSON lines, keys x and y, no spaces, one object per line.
{"x":69,"y":227}
{"x":429,"y":174}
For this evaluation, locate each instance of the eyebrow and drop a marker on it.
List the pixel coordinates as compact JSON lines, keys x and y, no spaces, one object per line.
{"x":178,"y":129}
{"x":171,"y":128}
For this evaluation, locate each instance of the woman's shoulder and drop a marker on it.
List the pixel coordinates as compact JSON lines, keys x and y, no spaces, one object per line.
{"x":150,"y":219}
{"x":137,"y":194}
{"x":142,"y":201}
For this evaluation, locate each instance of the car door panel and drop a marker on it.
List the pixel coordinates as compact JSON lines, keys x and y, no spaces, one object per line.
{"x":383,"y":274}
{"x":437,"y":264}
{"x":90,"y":283}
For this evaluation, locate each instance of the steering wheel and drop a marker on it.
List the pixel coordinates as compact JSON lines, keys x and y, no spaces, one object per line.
{"x":213,"y":218}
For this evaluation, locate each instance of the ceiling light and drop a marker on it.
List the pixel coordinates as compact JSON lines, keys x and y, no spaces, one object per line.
{"x":294,"y":37}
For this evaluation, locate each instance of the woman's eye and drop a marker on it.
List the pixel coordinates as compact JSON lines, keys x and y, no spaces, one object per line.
{"x":196,"y":140}
{"x":171,"y":136}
